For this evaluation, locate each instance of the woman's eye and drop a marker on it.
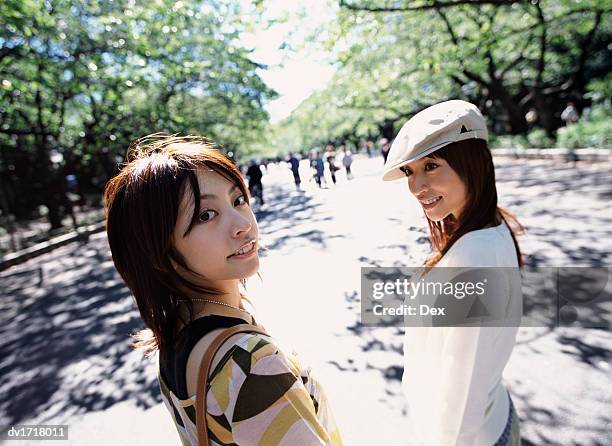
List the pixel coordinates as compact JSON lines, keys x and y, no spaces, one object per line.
{"x":207,"y":215}
{"x":240,"y":200}
{"x":406,"y":171}
{"x":430,"y":166}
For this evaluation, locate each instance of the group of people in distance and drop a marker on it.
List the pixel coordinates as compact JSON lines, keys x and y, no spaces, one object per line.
{"x":317,"y":163}
{"x":254,"y":173}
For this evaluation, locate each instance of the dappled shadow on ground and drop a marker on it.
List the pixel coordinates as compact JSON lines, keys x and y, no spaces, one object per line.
{"x":64,"y":337}
{"x":380,"y":348}
{"x":592,"y":355}
{"x":577,"y":417}
{"x":410,"y":252}
{"x":557,"y":178}
{"x":294,"y":216}
{"x":377,"y":349}
{"x":557,"y":203}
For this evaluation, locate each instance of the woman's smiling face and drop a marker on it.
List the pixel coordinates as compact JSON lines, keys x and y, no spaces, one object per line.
{"x":439,"y":189}
{"x":222,"y":243}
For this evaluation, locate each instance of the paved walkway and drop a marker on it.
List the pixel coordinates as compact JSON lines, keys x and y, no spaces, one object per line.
{"x":65,"y":316}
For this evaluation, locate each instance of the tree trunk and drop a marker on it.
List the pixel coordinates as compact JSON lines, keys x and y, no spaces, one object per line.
{"x":55,"y":219}
{"x":546,"y":118}
{"x":386,"y":129}
{"x":51,"y":189}
{"x":10,"y":226}
{"x":516,"y":115}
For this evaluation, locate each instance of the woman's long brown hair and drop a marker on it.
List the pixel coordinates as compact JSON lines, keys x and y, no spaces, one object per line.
{"x":471,"y":159}
{"x":142,"y":207}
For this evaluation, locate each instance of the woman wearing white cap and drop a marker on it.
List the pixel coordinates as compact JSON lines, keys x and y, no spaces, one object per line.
{"x":452,"y":375}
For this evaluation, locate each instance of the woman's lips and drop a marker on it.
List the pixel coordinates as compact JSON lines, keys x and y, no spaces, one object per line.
{"x":246,"y":251}
{"x":429,"y":204}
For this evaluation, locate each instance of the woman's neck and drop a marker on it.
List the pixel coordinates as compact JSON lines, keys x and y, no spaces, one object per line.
{"x":229,"y":293}
{"x":229,"y":303}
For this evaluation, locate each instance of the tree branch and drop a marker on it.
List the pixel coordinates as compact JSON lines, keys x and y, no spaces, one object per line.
{"x":586,"y":48}
{"x":435,"y":4}
{"x":490,"y":64}
{"x":467,"y":73}
{"x":513,"y":63}
{"x":27,"y":132}
{"x":559,"y":18}
{"x":540,"y":67}
{"x":449,"y":28}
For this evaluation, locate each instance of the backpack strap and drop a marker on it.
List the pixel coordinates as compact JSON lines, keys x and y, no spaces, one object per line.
{"x":204,"y":370}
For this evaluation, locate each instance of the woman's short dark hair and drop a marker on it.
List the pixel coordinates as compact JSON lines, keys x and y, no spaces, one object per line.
{"x":142,"y":207}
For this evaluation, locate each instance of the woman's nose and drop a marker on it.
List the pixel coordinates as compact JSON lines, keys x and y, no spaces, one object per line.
{"x":240,"y":224}
{"x":417,"y":184}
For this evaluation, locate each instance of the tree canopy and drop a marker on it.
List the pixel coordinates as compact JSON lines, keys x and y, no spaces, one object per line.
{"x":80,"y":80}
{"x":521,"y":62}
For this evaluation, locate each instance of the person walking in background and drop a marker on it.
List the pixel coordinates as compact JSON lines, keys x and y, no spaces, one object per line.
{"x":453,"y":374}
{"x":384,"y":148}
{"x":294,"y":165}
{"x":347,"y":161}
{"x":255,"y":185}
{"x":330,"y":157}
{"x":319,"y":168}
{"x":570,"y":114}
{"x":370,"y":148}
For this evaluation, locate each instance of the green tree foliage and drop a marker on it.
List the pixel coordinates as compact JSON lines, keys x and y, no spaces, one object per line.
{"x":80,"y":80}
{"x":509,"y":57}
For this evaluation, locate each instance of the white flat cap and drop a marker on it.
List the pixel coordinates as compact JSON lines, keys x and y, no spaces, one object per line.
{"x":430,"y":130}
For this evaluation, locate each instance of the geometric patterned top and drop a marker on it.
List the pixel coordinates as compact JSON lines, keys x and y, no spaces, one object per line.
{"x":257,"y":394}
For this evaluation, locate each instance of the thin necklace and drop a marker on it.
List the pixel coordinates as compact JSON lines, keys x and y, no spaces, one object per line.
{"x":210,"y":301}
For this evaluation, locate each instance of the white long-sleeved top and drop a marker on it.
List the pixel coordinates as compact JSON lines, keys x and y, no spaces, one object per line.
{"x":452,"y":375}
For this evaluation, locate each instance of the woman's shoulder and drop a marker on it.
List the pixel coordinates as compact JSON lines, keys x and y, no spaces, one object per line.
{"x":261,"y":355}
{"x":254,"y":382}
{"x":251,"y":352}
{"x":484,"y":247}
